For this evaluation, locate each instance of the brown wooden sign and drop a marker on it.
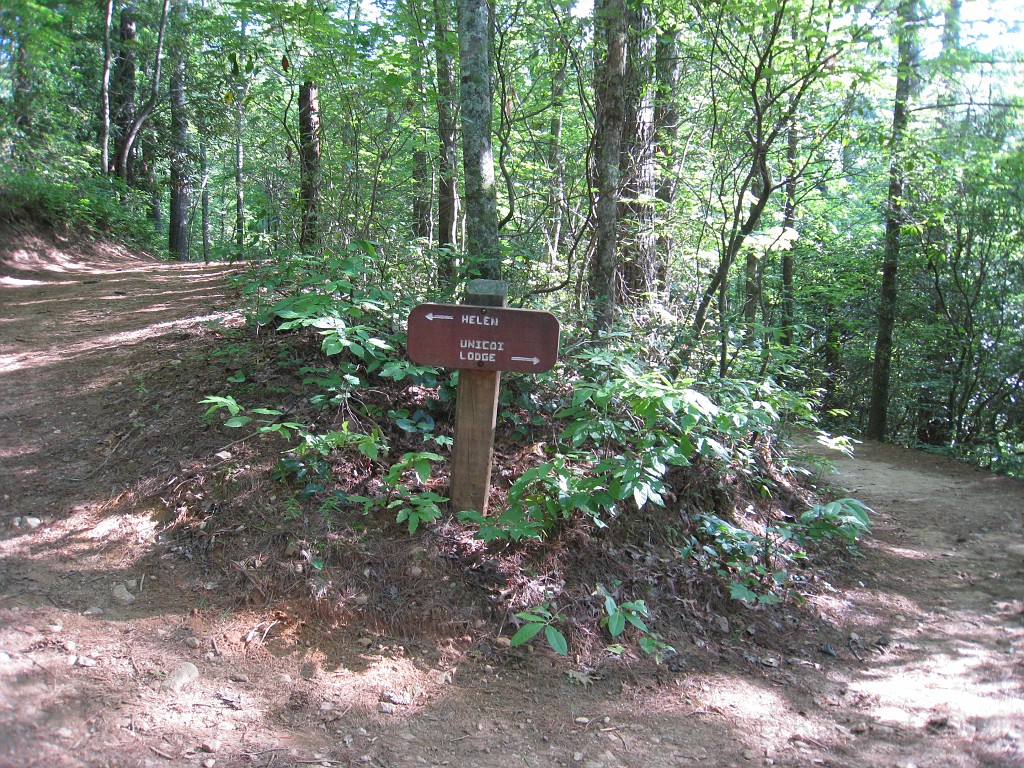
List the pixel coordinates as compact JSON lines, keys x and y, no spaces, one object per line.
{"x":483,"y":338}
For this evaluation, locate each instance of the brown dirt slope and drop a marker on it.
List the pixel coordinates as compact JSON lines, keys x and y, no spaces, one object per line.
{"x":103,"y":356}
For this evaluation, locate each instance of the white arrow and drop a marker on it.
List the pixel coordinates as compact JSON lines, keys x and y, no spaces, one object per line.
{"x":431,"y":316}
{"x":534,"y":360}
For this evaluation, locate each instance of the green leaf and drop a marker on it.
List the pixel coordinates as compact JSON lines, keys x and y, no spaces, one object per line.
{"x":556,"y":640}
{"x":237,"y":421}
{"x":616,"y":623}
{"x":525,"y":633}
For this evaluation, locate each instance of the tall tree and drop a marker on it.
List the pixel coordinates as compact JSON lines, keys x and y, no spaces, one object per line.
{"x":907,"y":35}
{"x":178,"y":211}
{"x":447,"y":187}
{"x":309,"y":162}
{"x":132,"y":133}
{"x":637,"y":240}
{"x":105,"y":91}
{"x":482,"y":245}
{"x":123,"y":91}
{"x":610,"y":23}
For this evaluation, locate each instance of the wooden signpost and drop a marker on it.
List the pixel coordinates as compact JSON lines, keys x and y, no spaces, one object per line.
{"x":481,"y":338}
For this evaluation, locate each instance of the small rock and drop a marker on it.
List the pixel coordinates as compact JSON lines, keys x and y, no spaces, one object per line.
{"x":577,"y":757}
{"x":222,"y":455}
{"x":93,"y":610}
{"x":32,"y":522}
{"x":210,"y":745}
{"x":238,"y":677}
{"x":720,"y":623}
{"x":503,"y":642}
{"x":859,"y":728}
{"x":182,"y":675}
{"x":387,"y":708}
{"x":401,"y":698}
{"x":749,"y":754}
{"x":582,"y":720}
{"x":121,"y":594}
{"x":192,"y":641}
{"x":415,"y":571}
{"x":65,"y":732}
{"x":770,"y":661}
{"x":209,"y":762}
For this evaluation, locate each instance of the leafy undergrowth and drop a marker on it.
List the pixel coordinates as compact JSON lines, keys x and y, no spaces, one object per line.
{"x":633,"y":513}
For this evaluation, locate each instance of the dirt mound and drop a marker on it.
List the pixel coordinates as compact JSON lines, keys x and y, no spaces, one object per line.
{"x":132,"y":632}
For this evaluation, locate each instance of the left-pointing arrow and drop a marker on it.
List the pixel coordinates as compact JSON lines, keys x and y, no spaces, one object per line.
{"x":432,"y":316}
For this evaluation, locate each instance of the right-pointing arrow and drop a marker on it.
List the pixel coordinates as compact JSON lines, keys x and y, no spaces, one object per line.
{"x":534,"y":360}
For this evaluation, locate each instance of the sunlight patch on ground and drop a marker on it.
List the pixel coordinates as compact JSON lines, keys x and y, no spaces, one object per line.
{"x":12,"y":363}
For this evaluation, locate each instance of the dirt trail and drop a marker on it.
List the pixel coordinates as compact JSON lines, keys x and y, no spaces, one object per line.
{"x":102,"y":359}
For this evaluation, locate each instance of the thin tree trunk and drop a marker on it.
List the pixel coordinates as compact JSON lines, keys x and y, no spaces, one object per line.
{"x":477,"y":153}
{"x":666,"y":126}
{"x":610,"y":95}
{"x":447,"y":189}
{"x":105,"y":92}
{"x":178,"y":212}
{"x":556,"y":161}
{"x":309,"y":158}
{"x":758,"y":175}
{"x":905,"y":70}
{"x":152,"y":186}
{"x":423,"y":183}
{"x":789,"y":221}
{"x":21,"y":101}
{"x":752,"y":274}
{"x":239,"y":158}
{"x":205,"y":199}
{"x":123,"y":92}
{"x":149,"y":106}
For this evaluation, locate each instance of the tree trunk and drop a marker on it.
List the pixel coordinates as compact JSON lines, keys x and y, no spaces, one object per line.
{"x":666,"y":126}
{"x":482,"y":243}
{"x":21,"y":100}
{"x":881,"y":373}
{"x":447,"y":189}
{"x":105,"y":92}
{"x":610,"y":97}
{"x":556,"y":161}
{"x":177,"y":235}
{"x":239,"y":158}
{"x":752,"y":274}
{"x":309,"y":158}
{"x":122,"y":91}
{"x":152,"y":185}
{"x":133,"y":130}
{"x":205,"y":199}
{"x":758,"y":175}
{"x":637,"y":241}
{"x":789,"y":221}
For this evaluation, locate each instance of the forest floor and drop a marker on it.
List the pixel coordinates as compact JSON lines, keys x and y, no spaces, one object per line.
{"x":120,"y":648}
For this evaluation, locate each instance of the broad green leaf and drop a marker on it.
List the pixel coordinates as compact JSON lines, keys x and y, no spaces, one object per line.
{"x":525,"y":633}
{"x":556,"y":640}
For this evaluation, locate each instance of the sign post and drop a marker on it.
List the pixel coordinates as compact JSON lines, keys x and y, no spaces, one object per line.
{"x":481,"y":338}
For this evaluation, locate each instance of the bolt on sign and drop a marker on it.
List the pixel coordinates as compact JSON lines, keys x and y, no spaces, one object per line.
{"x":483,"y":338}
